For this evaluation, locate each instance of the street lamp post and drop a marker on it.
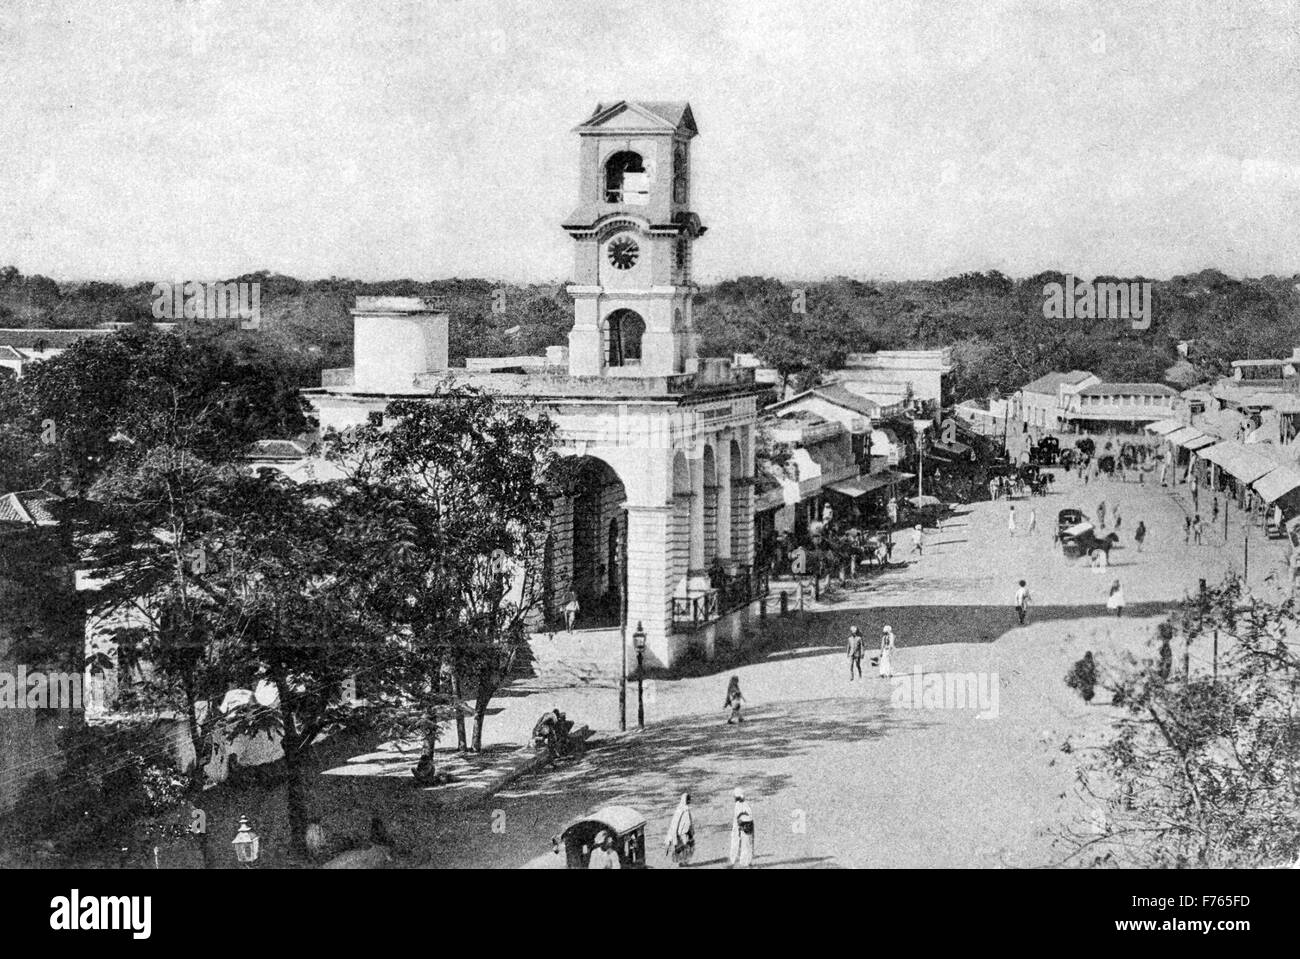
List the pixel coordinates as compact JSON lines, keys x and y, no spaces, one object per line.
{"x":638,"y":640}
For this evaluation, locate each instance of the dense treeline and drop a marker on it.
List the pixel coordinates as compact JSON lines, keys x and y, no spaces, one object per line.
{"x":995,"y":324}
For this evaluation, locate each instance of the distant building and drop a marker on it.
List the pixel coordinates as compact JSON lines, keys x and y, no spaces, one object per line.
{"x":893,"y":377}
{"x":1120,"y":407}
{"x":19,"y":348}
{"x":1043,"y":404}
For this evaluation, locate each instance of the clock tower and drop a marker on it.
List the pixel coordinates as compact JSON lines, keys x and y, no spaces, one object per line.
{"x":633,"y":231}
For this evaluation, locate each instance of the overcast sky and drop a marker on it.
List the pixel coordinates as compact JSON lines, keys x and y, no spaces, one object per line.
{"x":145,"y":140}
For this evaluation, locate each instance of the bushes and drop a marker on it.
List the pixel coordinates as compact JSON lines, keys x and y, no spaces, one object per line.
{"x":119,"y":789}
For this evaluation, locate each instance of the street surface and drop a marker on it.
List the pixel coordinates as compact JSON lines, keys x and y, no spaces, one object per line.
{"x":838,"y":777}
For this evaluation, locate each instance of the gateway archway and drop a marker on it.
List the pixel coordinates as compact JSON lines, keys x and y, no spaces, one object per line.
{"x":587,"y":555}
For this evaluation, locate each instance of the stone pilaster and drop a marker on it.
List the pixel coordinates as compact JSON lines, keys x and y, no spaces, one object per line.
{"x":726,"y":469}
{"x":711,"y":525}
{"x":650,"y":580}
{"x":742,"y":521}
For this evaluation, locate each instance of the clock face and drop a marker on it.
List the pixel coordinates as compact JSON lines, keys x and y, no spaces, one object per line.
{"x":623,"y":253}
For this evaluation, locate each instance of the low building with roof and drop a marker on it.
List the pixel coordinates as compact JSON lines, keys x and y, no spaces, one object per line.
{"x":1120,"y":407}
{"x":1041,"y":405}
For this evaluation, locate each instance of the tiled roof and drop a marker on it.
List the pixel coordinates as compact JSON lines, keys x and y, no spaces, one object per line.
{"x":277,"y":450}
{"x":28,"y":507}
{"x":1128,"y":389}
{"x":843,"y":396}
{"x":676,"y":112}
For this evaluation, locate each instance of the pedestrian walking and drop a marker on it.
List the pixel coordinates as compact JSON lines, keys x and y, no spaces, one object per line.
{"x":1196,"y":492}
{"x":679,"y":843}
{"x":1101,"y":514}
{"x":1214,"y":514}
{"x":1115,"y":600}
{"x":892,"y":509}
{"x":603,"y":853}
{"x":918,"y":540}
{"x":1011,"y":521}
{"x":886,"y":652}
{"x":734,"y":701}
{"x":742,"y":832}
{"x":1198,"y":529}
{"x":571,"y":611}
{"x":1116,"y":519}
{"x":1140,"y":534}
{"x":1033,"y":519}
{"x":1187,"y":529}
{"x":855,"y":652}
{"x":1022,"y":601}
{"x":1166,"y":658}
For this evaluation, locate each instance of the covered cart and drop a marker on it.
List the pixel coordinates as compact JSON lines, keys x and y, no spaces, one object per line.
{"x":623,"y":823}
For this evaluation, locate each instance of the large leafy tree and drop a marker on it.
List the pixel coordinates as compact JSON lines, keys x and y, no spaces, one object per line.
{"x":459,"y":479}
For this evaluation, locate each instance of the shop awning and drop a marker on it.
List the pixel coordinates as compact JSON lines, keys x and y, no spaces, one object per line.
{"x":1278,"y":483}
{"x":1164,"y":427}
{"x":954,"y":449}
{"x":862,"y":485}
{"x":1189,"y":438}
{"x":1239,"y":461}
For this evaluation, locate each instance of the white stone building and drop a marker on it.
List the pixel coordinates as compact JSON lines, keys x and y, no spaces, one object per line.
{"x":653,"y":520}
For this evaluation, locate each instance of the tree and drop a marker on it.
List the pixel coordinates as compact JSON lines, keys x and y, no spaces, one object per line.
{"x":304,"y":563}
{"x":459,"y":480}
{"x":1204,"y":769}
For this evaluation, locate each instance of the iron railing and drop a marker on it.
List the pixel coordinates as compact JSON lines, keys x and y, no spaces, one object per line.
{"x":731,"y":591}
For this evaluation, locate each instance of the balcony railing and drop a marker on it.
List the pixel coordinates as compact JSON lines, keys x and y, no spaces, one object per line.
{"x":731,"y":591}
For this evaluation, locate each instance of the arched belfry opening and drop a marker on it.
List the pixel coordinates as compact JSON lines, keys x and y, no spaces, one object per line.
{"x":624,"y":331}
{"x":626,"y":179}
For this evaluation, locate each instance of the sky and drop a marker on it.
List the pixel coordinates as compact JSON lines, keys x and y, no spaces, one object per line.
{"x":196,"y":139}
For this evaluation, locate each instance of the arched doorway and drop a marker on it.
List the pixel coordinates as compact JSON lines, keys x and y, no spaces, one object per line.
{"x":588,"y":557}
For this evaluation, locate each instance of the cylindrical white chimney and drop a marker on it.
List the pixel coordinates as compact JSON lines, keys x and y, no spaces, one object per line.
{"x":394,"y":338}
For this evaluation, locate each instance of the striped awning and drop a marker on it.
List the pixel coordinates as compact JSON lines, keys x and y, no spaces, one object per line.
{"x":1275,"y":485}
{"x":1164,"y":427}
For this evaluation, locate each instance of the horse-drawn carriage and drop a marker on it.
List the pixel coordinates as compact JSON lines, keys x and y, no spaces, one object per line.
{"x":1078,"y":538}
{"x":1045,"y":452}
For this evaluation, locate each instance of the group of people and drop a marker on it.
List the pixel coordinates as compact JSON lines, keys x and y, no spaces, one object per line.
{"x":679,"y":842}
{"x":858,"y":649}
{"x":1023,"y":600}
